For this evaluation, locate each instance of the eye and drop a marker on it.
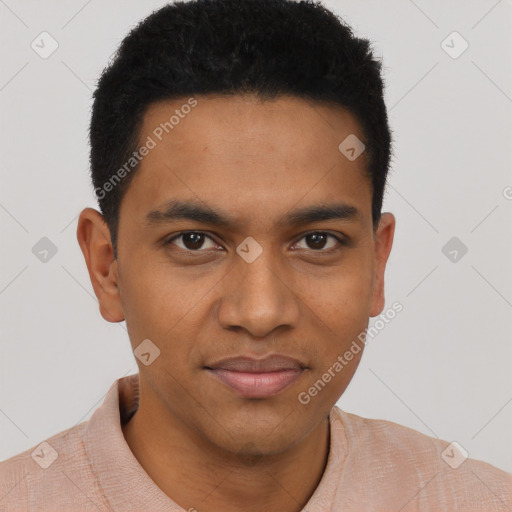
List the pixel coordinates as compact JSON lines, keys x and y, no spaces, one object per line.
{"x":192,"y":240}
{"x":318,"y":240}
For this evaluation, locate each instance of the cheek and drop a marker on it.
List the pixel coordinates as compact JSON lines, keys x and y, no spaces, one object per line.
{"x":324,"y":386}
{"x":150,"y":302}
{"x":356,"y":289}
{"x":167,"y":307}
{"x":340,"y":311}
{"x":343,"y":299}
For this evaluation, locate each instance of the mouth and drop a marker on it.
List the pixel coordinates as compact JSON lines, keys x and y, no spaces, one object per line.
{"x":257,"y":378}
{"x":257,"y":385}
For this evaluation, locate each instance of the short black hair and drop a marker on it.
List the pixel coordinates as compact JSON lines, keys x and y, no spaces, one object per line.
{"x":270,"y":48}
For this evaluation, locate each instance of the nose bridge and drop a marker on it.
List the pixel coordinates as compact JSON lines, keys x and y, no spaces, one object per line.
{"x":258,"y":299}
{"x":260,"y":276}
{"x":258,"y":285}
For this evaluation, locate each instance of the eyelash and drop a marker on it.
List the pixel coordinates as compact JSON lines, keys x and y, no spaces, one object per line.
{"x":341,"y":241}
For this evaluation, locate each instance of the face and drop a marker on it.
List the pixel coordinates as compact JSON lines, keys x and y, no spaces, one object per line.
{"x":272,"y":279}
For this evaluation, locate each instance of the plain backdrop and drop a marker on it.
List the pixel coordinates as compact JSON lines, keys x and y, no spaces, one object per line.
{"x":441,"y":366}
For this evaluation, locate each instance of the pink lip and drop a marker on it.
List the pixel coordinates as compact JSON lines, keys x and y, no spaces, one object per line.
{"x":257,"y":385}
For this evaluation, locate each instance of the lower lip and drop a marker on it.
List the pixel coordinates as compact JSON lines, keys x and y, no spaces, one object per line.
{"x":257,"y":385}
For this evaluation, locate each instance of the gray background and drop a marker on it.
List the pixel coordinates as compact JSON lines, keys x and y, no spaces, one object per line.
{"x":442,"y":366}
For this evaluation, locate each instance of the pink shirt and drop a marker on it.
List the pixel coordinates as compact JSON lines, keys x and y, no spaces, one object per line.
{"x":373,"y":465}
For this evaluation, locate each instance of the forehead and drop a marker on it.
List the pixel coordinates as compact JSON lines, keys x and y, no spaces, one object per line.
{"x":247,"y":122}
{"x":247,"y":155}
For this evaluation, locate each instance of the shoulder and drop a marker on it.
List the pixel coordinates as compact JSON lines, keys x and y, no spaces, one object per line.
{"x":392,"y":438}
{"x":49,"y":474}
{"x":398,"y":459}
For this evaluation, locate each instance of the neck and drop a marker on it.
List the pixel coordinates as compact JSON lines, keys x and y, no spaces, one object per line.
{"x":195,"y":474}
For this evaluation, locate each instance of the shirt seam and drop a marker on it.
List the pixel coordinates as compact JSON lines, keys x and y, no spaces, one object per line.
{"x":96,"y":478}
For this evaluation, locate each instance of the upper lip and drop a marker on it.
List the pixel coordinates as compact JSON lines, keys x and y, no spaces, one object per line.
{"x":272,"y":363}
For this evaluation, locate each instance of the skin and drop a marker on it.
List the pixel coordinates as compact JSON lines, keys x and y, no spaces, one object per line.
{"x":203,"y":444}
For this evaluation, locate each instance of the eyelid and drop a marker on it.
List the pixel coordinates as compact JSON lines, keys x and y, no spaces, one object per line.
{"x":341,"y":239}
{"x":168,"y":241}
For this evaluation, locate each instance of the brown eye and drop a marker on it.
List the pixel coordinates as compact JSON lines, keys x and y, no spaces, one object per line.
{"x":192,"y":241}
{"x":317,"y":241}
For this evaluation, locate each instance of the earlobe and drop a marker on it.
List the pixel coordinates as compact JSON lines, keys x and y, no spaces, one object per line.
{"x":93,"y":236}
{"x":383,"y":243}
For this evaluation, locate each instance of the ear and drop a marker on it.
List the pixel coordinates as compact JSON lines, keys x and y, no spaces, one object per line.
{"x":383,"y":241}
{"x":94,"y":239}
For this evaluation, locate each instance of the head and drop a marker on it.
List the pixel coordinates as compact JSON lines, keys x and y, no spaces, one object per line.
{"x":231,"y":220}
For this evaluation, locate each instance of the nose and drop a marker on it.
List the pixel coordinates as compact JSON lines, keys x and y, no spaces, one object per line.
{"x":259,"y":297}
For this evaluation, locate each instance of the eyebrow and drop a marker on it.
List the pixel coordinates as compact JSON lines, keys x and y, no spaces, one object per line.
{"x":189,"y":210}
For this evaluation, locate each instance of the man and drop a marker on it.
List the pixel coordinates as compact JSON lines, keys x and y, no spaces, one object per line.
{"x":239,"y":153}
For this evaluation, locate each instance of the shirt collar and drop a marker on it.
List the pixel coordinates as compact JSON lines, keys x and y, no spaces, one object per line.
{"x":127,"y":486}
